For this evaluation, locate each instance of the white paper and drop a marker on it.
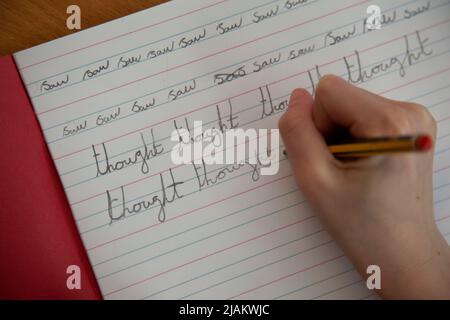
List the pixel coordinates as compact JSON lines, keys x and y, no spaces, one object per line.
{"x":240,"y":238}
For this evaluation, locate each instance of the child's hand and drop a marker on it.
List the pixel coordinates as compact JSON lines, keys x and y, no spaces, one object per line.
{"x":380,"y":209}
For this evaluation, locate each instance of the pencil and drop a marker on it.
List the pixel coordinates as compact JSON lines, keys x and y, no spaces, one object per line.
{"x":382,"y":145}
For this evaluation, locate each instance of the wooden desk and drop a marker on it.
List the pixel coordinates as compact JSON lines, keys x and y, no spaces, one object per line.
{"x":26,"y":23}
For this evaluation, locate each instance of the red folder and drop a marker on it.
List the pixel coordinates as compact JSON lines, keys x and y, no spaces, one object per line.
{"x":38,"y":236}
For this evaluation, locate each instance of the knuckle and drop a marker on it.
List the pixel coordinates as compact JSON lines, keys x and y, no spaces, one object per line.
{"x":421,"y":116}
{"x":396,"y":121}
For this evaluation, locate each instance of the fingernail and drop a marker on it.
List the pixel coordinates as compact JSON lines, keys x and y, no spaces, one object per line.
{"x":297,"y":93}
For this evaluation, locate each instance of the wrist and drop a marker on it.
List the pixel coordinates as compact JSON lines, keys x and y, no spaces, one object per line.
{"x":422,"y":271}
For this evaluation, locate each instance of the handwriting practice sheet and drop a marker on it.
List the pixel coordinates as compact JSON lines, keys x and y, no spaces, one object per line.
{"x":108,"y":99}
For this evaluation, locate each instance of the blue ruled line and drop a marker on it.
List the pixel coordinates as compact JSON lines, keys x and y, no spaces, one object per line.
{"x":281,"y":97}
{"x":160,"y":40}
{"x":215,"y":71}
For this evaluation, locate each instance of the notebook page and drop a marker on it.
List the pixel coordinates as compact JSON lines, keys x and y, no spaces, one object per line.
{"x":108,"y":98}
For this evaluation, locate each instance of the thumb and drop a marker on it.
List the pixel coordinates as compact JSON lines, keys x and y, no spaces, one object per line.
{"x":306,"y":148}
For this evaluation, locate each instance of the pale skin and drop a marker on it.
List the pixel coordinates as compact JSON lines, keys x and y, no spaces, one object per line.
{"x":379,"y":209}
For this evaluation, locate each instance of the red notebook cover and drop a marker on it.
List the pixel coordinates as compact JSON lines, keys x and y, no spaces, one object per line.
{"x":38,"y":236}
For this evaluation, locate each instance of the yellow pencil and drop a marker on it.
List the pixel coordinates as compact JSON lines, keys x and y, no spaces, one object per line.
{"x":375,"y":146}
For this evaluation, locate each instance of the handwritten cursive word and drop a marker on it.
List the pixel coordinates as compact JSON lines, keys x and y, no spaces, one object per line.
{"x":46,"y":86}
{"x":223,"y":28}
{"x":67,"y":131}
{"x":332,"y":38}
{"x":268,"y":14}
{"x":260,"y":65}
{"x":206,"y":179}
{"x":186,"y":42}
{"x":104,"y":119}
{"x":125,"y":62}
{"x":234,"y":146}
{"x":293,"y":3}
{"x":151,"y":54}
{"x":408,"y":59}
{"x":160,"y":201}
{"x":143,"y":155}
{"x":268,"y":107}
{"x":221,"y":78}
{"x":229,"y":123}
{"x":174,"y":94}
{"x":92,"y":73}
{"x":296,"y":53}
{"x":409,"y":13}
{"x":136,"y":107}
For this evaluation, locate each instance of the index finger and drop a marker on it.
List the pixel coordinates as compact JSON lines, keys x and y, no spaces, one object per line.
{"x":339,"y":104}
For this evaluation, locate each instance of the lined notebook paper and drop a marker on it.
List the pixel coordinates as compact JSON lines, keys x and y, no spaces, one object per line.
{"x":108,"y":98}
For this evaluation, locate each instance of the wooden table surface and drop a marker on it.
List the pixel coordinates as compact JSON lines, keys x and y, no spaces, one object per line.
{"x":26,"y":23}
